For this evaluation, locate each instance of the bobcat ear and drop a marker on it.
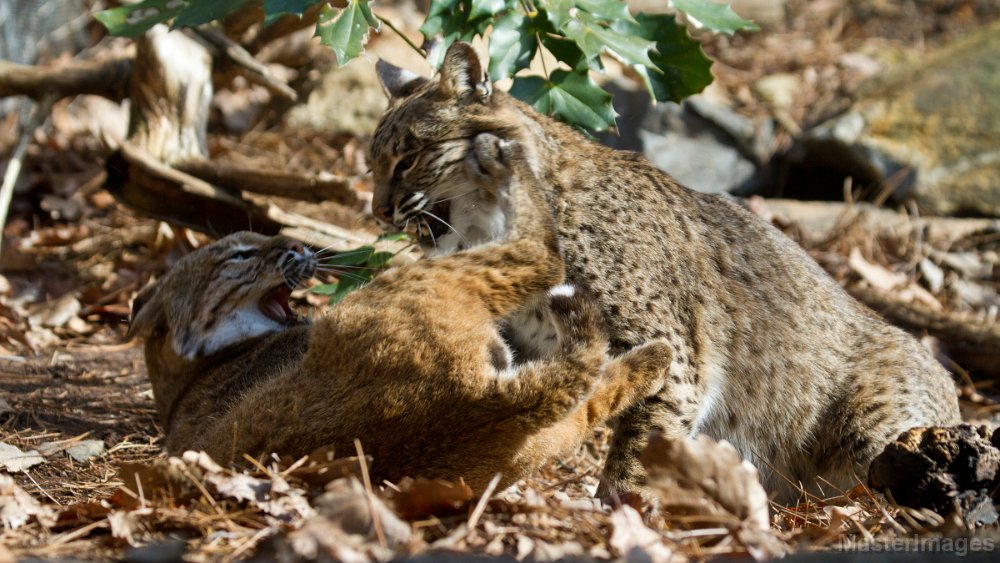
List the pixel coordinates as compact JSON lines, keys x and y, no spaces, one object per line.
{"x":147,"y":312}
{"x":397,"y":82}
{"x":462,"y":73}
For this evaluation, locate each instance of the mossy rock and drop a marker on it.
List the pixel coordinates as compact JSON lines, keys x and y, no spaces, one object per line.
{"x":933,"y":126}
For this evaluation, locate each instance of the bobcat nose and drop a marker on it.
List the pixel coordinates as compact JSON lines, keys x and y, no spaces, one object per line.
{"x":295,"y":246}
{"x":383,"y":213}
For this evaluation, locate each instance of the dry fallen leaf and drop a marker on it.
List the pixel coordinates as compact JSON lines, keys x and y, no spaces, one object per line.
{"x":706,"y":481}
{"x":884,"y":280}
{"x":17,"y":506}
{"x":703,"y":477}
{"x":272,"y":495}
{"x":419,"y":498}
{"x":125,"y":525}
{"x":319,"y":539}
{"x":970,"y":264}
{"x":876,"y":275}
{"x":633,"y":540}
{"x":56,"y":313}
{"x":80,"y":450}
{"x":13,"y":459}
{"x":346,"y":504}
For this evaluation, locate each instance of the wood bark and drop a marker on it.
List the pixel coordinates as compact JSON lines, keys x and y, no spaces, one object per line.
{"x":171,"y":89}
{"x":305,"y":187}
{"x":108,"y":78}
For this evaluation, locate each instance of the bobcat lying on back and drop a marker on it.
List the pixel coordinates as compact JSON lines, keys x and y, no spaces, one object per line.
{"x":769,"y":353}
{"x":412,"y":364}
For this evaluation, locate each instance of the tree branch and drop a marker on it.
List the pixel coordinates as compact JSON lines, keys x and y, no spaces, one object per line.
{"x":108,"y":78}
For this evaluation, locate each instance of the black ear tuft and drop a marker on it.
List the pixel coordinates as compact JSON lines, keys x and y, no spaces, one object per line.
{"x":397,"y":82}
{"x":462,"y":74}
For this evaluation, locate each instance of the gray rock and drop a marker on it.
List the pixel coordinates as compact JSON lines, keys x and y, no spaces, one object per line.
{"x":928,"y":129}
{"x":705,"y":146}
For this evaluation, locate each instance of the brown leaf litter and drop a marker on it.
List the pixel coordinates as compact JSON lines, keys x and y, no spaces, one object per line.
{"x":73,"y":255}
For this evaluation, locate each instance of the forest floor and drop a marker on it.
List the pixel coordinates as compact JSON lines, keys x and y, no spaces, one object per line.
{"x":76,"y":404}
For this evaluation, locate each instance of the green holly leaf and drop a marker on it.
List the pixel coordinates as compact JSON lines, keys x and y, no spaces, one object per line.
{"x":197,"y":12}
{"x":593,"y":38}
{"x":346,"y":31}
{"x":440,"y":12}
{"x":680,"y":68}
{"x":556,"y":11}
{"x":394,"y":236}
{"x":325,"y":289}
{"x":342,"y":288}
{"x":486,"y":8}
{"x":512,"y":46}
{"x":274,"y":9}
{"x":568,"y":52}
{"x":380,"y":260}
{"x":357,"y":257}
{"x":132,"y":20}
{"x":715,"y":16}
{"x":455,"y":30}
{"x":282,"y":7}
{"x":569,"y":95}
{"x":611,"y":10}
{"x":449,"y":21}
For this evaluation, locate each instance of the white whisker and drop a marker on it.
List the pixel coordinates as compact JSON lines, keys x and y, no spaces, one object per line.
{"x":332,"y":269}
{"x":352,"y":276}
{"x":463,"y":194}
{"x":430,"y":231}
{"x":445,"y":223}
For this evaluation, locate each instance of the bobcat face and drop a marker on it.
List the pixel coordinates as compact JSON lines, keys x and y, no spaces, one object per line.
{"x":232,"y":290}
{"x":429,"y":175}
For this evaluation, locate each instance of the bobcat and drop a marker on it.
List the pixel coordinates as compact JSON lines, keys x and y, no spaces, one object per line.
{"x":769,"y":352}
{"x":412,"y":364}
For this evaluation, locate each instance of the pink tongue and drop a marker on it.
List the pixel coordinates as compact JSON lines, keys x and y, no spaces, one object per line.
{"x":274,"y":310}
{"x":275,"y":305}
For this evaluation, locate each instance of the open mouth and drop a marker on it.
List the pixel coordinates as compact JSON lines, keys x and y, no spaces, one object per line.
{"x":434,"y":222}
{"x":275,"y":306}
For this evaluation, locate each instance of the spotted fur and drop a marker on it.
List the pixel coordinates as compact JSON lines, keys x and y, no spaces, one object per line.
{"x":769,"y":352}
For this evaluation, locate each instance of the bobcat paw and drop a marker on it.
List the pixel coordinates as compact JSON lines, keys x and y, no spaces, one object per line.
{"x":575,"y":315}
{"x":491,"y":157}
{"x":648,"y":364}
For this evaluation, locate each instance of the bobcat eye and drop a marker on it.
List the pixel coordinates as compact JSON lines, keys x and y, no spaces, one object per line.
{"x":402,"y":166}
{"x":243,"y":254}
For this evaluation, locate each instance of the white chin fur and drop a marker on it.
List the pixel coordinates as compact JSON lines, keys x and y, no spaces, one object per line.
{"x":475,"y":222}
{"x":241,"y":325}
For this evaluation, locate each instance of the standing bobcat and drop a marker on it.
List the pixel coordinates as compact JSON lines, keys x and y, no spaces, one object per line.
{"x":412,"y":364}
{"x":769,"y":352}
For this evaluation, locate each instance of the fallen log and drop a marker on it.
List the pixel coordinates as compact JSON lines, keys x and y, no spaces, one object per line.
{"x":305,"y":187}
{"x":154,"y":189}
{"x":108,"y":78}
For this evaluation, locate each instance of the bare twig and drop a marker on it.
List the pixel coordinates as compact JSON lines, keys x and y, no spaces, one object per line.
{"x":36,"y":120}
{"x":370,"y":495}
{"x":420,"y":51}
{"x":477,"y":513}
{"x":225,"y":52}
